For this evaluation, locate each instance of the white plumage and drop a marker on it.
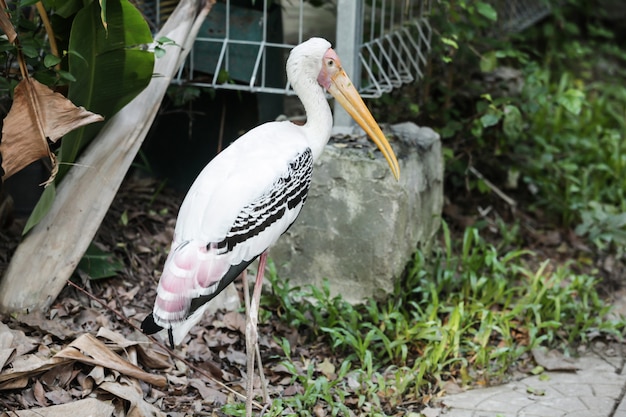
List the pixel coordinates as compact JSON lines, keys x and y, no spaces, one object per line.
{"x":250,"y":193}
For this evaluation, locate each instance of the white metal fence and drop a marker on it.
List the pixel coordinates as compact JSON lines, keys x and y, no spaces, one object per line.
{"x":244,"y":43}
{"x":517,"y":15}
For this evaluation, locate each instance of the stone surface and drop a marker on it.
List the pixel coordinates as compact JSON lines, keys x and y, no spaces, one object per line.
{"x":595,"y":389}
{"x":360,"y":227}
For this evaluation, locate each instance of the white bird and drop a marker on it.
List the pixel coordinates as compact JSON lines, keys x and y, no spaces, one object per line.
{"x":250,"y":194}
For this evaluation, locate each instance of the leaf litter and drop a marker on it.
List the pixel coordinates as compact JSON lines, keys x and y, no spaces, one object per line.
{"x":87,"y":356}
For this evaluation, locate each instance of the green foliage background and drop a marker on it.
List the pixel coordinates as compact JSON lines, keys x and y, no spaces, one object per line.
{"x":104,"y":64}
{"x":555,"y":132}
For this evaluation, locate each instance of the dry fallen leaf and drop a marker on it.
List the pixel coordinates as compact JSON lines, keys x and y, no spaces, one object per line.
{"x":553,"y":360}
{"x":16,"y":340}
{"x":28,"y":365}
{"x":138,"y":406}
{"x":234,"y":320}
{"x":427,"y":412}
{"x":153,"y":358}
{"x":327,"y":368}
{"x":207,"y":393}
{"x":6,"y":344}
{"x":88,"y":407}
{"x":38,"y":114}
{"x":5,"y":24}
{"x":234,"y":356}
{"x":120,"y":341}
{"x":40,"y":394}
{"x":38,"y":320}
{"x":451,"y":387}
{"x":16,"y":383}
{"x":58,"y":396}
{"x":88,"y":349}
{"x":60,"y":376}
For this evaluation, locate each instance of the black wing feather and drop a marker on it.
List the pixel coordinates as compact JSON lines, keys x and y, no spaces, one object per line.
{"x":286,"y":193}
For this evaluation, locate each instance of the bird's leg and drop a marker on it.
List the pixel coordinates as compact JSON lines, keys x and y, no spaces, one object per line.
{"x":250,"y":358}
{"x":266,"y":397}
{"x":256,"y":301}
{"x":252,"y":336}
{"x":259,"y":362}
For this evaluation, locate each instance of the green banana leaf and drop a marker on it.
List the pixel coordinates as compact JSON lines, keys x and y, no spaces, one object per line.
{"x":41,"y":208}
{"x":65,"y":8}
{"x":111,"y":66}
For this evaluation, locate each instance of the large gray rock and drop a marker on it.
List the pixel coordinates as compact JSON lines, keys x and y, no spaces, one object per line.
{"x":359,"y":226}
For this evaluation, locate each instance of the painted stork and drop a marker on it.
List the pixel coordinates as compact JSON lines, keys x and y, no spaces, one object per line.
{"x":250,"y":194}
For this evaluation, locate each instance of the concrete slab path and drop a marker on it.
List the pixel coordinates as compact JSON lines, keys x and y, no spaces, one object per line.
{"x":595,"y":389}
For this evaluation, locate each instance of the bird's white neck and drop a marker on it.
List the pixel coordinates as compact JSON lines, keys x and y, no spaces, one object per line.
{"x":319,"y":122}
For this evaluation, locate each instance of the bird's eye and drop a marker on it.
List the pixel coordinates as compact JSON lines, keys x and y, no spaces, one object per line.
{"x":330,"y":63}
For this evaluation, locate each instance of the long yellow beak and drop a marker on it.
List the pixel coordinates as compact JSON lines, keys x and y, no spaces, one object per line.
{"x":342,"y":89}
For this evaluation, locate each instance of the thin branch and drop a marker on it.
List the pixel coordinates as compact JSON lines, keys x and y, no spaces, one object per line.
{"x":54,"y":49}
{"x":493,"y":187}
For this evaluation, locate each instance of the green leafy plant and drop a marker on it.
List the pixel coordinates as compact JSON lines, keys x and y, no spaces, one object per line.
{"x":604,"y":225}
{"x":575,"y":140}
{"x":104,"y":64}
{"x":553,"y":135}
{"x":99,"y":264}
{"x":469,"y":312}
{"x":110,"y":64}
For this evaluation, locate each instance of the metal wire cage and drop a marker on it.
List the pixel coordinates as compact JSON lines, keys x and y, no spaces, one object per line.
{"x":396,"y":46}
{"x":243,"y":43}
{"x":517,"y":15}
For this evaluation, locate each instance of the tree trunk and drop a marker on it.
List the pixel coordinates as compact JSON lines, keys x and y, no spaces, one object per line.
{"x":49,"y":254}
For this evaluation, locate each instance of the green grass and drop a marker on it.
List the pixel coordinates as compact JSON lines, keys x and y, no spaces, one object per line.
{"x":468,"y":313}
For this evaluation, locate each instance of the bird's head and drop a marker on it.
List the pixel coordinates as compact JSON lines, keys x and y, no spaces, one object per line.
{"x":315,"y":63}
{"x":305,"y":61}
